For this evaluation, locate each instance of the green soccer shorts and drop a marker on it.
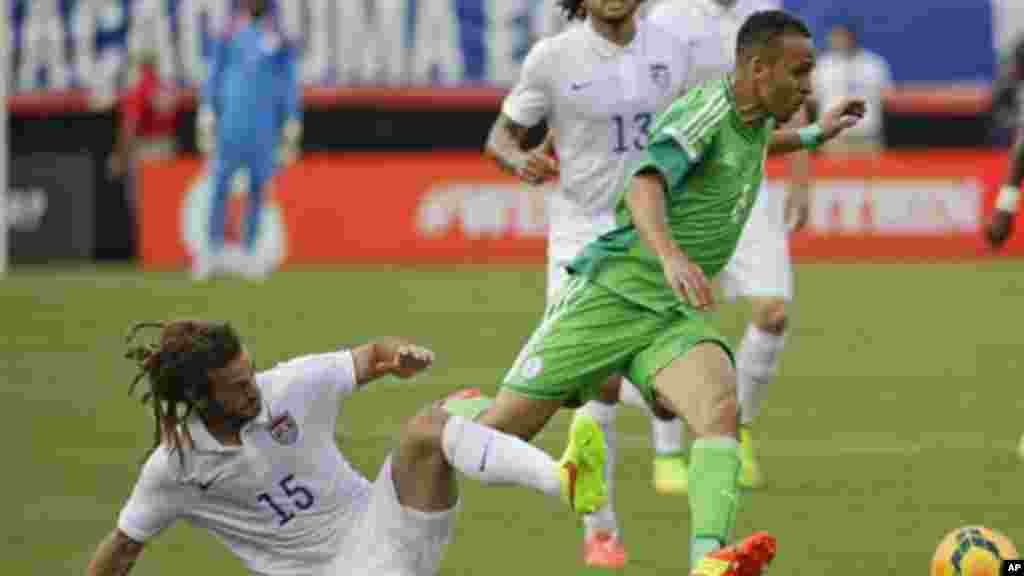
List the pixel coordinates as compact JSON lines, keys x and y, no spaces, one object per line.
{"x":590,"y":333}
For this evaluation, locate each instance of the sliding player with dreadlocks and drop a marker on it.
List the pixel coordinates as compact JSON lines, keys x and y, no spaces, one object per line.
{"x":176,"y":372}
{"x":250,"y":456}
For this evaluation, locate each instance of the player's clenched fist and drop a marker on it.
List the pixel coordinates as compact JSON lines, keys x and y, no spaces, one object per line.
{"x":410,"y":360}
{"x":687,"y":280}
{"x":537,"y":166}
{"x":844,"y":115}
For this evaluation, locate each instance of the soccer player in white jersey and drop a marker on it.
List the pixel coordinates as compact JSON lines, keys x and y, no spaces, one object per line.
{"x":599,"y":85}
{"x":761,"y":270}
{"x":251,"y":458}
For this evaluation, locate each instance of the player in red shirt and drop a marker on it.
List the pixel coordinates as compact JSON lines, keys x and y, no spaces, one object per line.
{"x":149,"y":120}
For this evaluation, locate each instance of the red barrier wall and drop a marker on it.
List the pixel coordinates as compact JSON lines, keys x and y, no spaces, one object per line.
{"x":443,"y":208}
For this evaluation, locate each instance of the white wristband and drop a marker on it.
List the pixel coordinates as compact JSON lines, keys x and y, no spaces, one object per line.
{"x":1009,"y":198}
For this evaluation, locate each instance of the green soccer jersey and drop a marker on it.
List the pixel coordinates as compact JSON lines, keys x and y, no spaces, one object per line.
{"x":713,"y":165}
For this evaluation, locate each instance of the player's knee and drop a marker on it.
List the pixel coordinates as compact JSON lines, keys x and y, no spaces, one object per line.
{"x":723,"y":403}
{"x":423,"y":433}
{"x":771,"y":316}
{"x":724,"y":414}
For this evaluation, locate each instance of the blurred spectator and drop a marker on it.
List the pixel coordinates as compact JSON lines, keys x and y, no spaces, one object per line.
{"x":149,"y":116}
{"x":1008,"y":110}
{"x":43,"y":46}
{"x":1008,"y":90}
{"x":97,"y":30}
{"x":847,"y":70}
{"x":148,"y":122}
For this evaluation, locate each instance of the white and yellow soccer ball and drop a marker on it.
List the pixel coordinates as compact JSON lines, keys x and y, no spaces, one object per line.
{"x":972,"y":551}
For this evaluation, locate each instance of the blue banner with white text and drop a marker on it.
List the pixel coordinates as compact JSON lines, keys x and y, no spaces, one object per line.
{"x":61,"y":44}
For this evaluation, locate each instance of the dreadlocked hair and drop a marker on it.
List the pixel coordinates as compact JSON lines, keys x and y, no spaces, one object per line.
{"x":176,"y":369}
{"x":575,"y":10}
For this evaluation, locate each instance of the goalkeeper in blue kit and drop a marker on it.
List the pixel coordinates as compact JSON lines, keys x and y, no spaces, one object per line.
{"x":250,"y":106}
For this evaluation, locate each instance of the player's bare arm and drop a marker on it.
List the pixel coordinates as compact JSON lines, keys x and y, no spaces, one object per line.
{"x":507,"y":145}
{"x":646,"y":200}
{"x":1000,"y":228}
{"x":390,"y":357}
{"x":842,"y":116}
{"x":115,"y":556}
{"x":798,"y":192}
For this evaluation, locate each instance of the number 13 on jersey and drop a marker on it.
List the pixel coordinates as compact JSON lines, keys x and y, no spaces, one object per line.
{"x":631,"y":132}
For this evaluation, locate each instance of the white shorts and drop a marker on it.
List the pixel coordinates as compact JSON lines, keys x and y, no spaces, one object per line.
{"x":761,"y":266}
{"x":560,"y":253}
{"x":389,"y":539}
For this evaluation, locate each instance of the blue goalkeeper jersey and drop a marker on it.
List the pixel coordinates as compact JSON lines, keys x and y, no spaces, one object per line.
{"x":252,"y":86}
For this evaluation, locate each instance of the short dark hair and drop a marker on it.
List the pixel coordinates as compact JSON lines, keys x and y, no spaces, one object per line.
{"x":574,"y":8}
{"x":176,"y":368}
{"x":765,"y":29}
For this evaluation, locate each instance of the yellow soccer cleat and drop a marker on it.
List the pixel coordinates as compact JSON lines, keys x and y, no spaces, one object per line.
{"x":671,"y":476}
{"x":581,"y":468}
{"x":750,"y":471}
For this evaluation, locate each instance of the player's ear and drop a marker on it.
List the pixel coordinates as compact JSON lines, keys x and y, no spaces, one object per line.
{"x":759,"y":66}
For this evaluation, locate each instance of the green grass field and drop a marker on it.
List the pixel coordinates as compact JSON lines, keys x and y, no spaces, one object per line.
{"x":894,"y":420}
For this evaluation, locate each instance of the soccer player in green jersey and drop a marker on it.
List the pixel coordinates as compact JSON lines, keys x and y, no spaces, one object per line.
{"x":638,"y":298}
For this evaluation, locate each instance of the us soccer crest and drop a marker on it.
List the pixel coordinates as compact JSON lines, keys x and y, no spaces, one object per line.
{"x":284,"y":430}
{"x":661,"y":76}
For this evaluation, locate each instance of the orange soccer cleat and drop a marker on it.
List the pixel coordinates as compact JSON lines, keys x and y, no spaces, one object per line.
{"x":748,"y":558}
{"x":603,"y":550}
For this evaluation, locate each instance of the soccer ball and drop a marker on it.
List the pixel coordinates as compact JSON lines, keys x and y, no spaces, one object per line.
{"x":972,"y":551}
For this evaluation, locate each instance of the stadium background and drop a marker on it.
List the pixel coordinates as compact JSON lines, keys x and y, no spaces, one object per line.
{"x":892,"y":421}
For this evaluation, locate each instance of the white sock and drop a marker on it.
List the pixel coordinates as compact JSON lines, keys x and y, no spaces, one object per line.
{"x":666,"y":435}
{"x":605,"y":518}
{"x":757,"y":362}
{"x":492,"y":457}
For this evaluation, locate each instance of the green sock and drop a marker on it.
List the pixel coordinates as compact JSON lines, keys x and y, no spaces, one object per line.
{"x":714,"y":499}
{"x":701,"y":547}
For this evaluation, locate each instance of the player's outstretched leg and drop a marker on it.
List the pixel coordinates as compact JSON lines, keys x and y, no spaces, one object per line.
{"x":757,"y":363}
{"x":492,"y":457}
{"x":701,"y":387}
{"x":582,"y":465}
{"x":668,"y":436}
{"x":410,"y":515}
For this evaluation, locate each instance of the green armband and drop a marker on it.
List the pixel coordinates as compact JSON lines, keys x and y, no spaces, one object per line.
{"x":811,"y":136}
